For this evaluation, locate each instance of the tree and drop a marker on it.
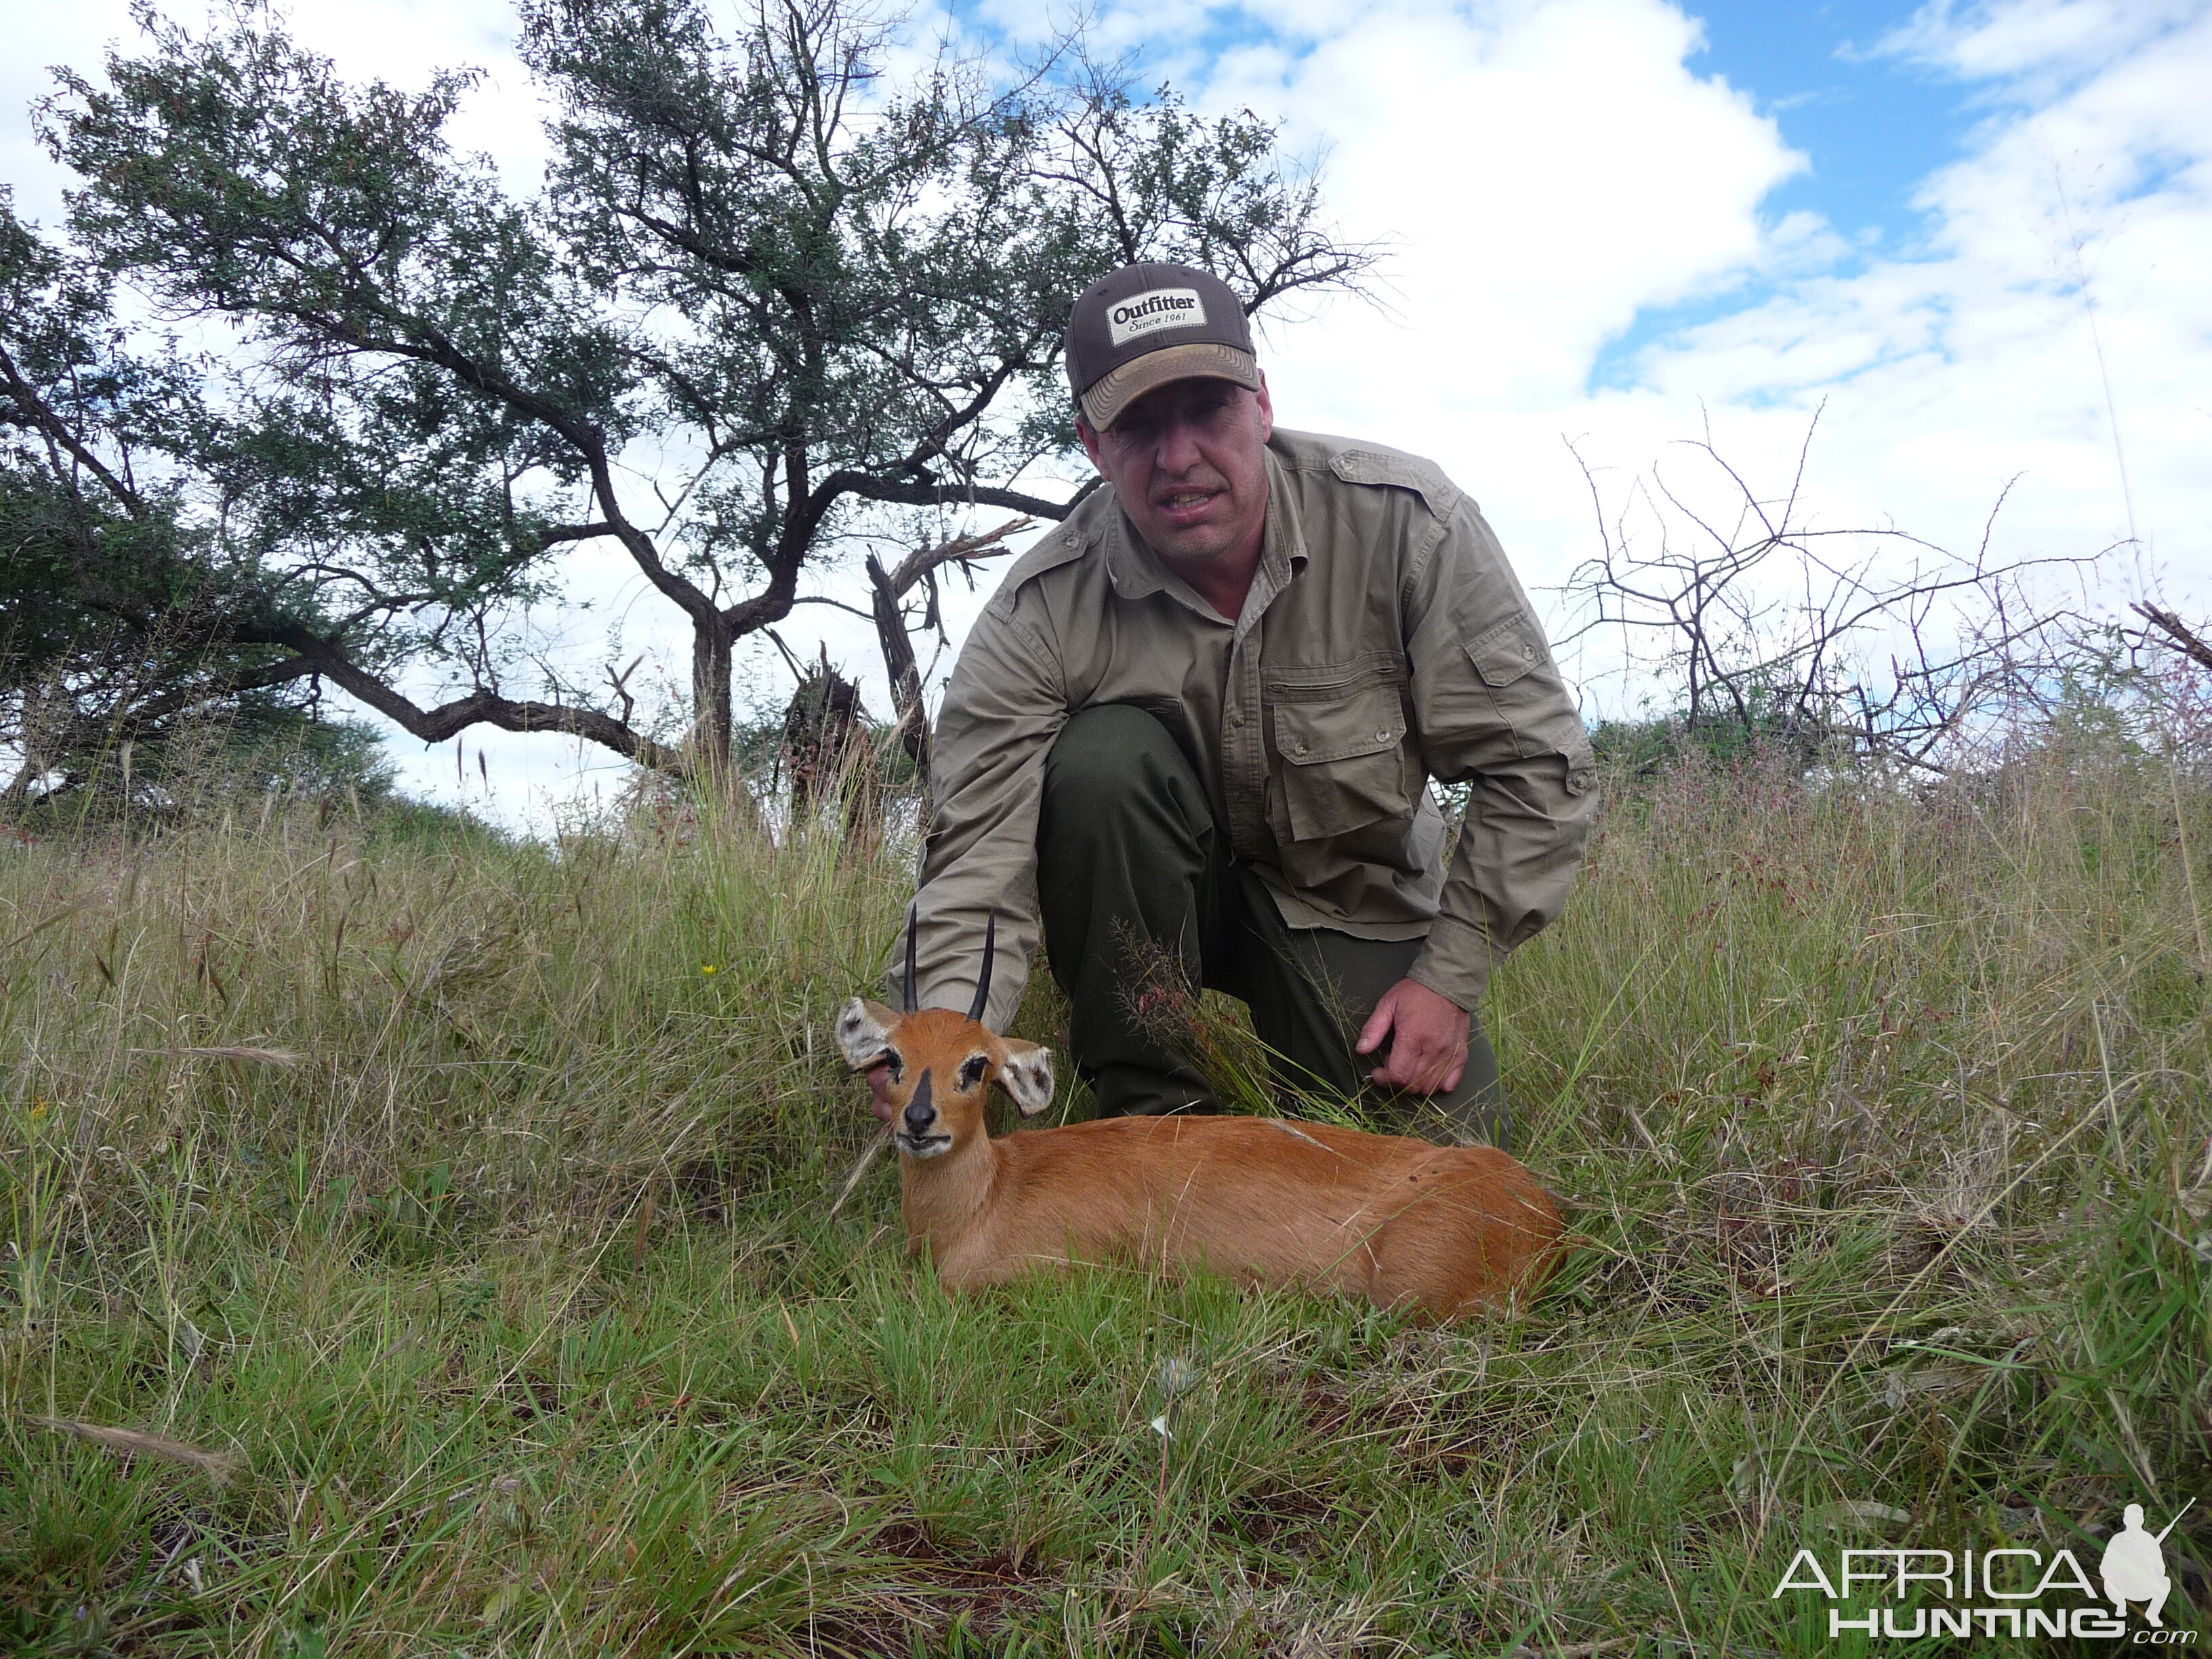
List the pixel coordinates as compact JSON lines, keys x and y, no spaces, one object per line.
{"x":112,"y":606}
{"x":768,"y":303}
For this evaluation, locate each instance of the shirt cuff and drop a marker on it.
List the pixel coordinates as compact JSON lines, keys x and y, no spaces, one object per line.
{"x":1455,"y":962}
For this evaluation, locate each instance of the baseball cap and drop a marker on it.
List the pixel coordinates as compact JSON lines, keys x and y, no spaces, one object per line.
{"x":1145,"y":326}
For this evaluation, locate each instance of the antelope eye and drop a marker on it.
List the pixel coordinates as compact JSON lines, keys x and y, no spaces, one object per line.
{"x":898,"y":1065}
{"x":971,"y":1074}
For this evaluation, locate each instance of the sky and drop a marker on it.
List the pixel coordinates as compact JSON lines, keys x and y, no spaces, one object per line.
{"x":1976,"y":239}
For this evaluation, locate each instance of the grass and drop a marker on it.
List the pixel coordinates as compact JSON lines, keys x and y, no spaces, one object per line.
{"x":449,"y":1219}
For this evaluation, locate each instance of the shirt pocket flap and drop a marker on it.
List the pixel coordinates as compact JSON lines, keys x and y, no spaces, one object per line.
{"x":1504,"y":653}
{"x":1364,"y":722}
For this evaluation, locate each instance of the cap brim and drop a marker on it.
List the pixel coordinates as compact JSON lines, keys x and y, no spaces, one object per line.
{"x":1105,"y":399}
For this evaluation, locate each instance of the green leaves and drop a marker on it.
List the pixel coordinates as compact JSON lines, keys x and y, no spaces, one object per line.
{"x":236,"y":173}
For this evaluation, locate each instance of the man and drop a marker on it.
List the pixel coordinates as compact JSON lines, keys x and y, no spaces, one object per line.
{"x":1196,"y":724}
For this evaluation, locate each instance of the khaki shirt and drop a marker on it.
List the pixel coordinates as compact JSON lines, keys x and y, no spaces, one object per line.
{"x":1385,"y":641}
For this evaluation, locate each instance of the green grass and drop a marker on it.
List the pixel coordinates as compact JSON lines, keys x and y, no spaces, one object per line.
{"x":465,"y":1205}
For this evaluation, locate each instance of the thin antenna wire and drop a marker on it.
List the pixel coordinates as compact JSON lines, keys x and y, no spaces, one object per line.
{"x":2096,"y":340}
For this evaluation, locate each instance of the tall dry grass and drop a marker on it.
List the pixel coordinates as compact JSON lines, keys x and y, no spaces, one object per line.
{"x":465,"y":1201}
{"x":557,"y":1026}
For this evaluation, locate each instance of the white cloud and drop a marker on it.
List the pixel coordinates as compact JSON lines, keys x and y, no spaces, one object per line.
{"x":2032,"y":40}
{"x":1542,"y":179}
{"x":1550,"y":171}
{"x":1979,"y":359}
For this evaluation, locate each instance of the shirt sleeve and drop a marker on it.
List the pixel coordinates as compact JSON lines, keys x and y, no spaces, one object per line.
{"x":1493,"y":712}
{"x":1003,"y":706}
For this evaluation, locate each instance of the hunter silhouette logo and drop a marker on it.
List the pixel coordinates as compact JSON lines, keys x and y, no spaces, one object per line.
{"x":2134,"y":1567}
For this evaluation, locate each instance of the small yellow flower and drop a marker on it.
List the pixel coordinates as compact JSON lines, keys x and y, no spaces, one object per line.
{"x":709,"y":968}
{"x":39,"y":1110}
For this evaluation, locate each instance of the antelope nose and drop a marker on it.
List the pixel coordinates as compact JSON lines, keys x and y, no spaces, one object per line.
{"x":919,"y":1113}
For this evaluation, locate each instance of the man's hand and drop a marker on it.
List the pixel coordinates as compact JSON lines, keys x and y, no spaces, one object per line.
{"x":880,"y":1085}
{"x":1428,"y":1039}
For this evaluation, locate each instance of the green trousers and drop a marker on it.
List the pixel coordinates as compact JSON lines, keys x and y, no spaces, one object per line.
{"x":1133,"y":877}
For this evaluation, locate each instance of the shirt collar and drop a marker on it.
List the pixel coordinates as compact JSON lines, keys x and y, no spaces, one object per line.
{"x":1284,"y":554}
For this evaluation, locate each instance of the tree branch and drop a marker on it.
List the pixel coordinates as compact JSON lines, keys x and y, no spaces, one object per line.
{"x":36,"y":412}
{"x":2179,"y":633}
{"x":889,"y":589}
{"x":481,"y":706}
{"x":846,"y":482}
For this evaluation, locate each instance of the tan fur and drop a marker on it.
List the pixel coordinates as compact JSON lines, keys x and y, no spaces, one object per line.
{"x":1452,"y":1230}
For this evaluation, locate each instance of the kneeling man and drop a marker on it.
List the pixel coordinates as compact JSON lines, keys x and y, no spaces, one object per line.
{"x":1197,"y":724}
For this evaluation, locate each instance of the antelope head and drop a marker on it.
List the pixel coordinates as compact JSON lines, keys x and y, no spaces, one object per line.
{"x":942,"y":1064}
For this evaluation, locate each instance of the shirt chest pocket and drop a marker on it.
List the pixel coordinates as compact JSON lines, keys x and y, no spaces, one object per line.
{"x":1343,"y":763}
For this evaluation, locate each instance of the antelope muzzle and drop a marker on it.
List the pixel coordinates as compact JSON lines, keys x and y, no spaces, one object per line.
{"x":918,"y":1134}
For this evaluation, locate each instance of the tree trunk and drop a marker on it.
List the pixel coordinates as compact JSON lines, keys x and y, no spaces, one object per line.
{"x":827,"y":752}
{"x":710,"y":698}
{"x":899,"y":665}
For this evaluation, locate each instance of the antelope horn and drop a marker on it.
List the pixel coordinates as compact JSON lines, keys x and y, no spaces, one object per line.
{"x":913,"y":921}
{"x":983,"y":979}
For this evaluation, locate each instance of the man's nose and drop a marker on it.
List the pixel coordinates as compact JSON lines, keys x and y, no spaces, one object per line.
{"x":1175,"y":451}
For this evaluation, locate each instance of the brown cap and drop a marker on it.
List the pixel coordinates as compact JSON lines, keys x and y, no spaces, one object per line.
{"x":1145,"y":326}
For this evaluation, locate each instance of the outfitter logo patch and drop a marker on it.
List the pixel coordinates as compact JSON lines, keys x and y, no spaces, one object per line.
{"x":1159,"y":307}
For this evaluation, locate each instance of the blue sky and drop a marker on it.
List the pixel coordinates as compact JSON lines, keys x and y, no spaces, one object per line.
{"x":1870,"y":126}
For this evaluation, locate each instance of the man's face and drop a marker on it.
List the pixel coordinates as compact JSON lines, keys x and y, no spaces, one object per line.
{"x":1189,"y":461}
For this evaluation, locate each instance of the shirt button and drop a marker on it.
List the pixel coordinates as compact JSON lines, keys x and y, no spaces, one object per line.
{"x":1527,"y":651}
{"x":1299,"y":748}
{"x":1381,"y":736}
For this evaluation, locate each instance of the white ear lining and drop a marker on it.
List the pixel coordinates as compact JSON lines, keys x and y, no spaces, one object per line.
{"x":1026,"y":1076}
{"x":860,"y":1035}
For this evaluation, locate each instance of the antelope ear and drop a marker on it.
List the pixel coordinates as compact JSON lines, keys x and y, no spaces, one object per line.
{"x":864,"y":1032}
{"x":1026,"y":1074}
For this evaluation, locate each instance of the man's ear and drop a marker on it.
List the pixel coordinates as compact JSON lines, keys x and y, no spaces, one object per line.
{"x":1084,"y":431}
{"x":864,"y":1032}
{"x":1026,"y":1074}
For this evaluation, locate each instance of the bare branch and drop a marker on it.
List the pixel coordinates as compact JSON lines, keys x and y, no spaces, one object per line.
{"x":1751,"y":664}
{"x":2179,"y":633}
{"x":889,"y":589}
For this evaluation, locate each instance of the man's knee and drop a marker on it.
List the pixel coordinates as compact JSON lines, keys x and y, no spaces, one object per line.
{"x":1106,"y":760}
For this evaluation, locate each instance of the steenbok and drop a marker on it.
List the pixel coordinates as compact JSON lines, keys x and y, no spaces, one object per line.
{"x":1450,"y":1231}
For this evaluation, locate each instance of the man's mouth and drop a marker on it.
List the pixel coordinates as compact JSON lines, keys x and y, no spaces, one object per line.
{"x":1185,"y":506}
